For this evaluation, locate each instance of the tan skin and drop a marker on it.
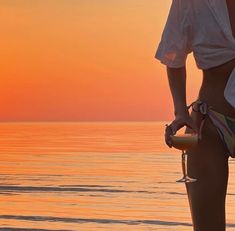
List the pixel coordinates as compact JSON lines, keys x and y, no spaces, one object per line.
{"x":208,"y":161}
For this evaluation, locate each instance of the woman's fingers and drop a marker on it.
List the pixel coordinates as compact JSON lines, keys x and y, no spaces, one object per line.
{"x":171,"y":130}
{"x":168,"y":134}
{"x":175,"y":126}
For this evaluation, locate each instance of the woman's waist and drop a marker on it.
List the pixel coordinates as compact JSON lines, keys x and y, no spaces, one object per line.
{"x":213,"y":87}
{"x":214,"y":97}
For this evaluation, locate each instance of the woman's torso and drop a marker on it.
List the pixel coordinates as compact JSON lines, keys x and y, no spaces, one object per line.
{"x":213,"y":85}
{"x":215,"y":79}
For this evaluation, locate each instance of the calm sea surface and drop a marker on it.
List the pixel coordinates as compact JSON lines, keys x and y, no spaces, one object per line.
{"x":93,"y":176}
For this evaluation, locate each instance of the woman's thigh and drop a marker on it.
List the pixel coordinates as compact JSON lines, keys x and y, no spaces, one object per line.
{"x":208,"y":163}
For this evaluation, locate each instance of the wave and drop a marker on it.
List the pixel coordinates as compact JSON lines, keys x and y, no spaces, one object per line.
{"x":29,"y":229}
{"x":89,"y":220}
{"x":15,"y":188}
{"x":93,"y":220}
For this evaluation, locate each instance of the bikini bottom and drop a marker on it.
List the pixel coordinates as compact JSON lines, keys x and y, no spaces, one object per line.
{"x":225,"y":125}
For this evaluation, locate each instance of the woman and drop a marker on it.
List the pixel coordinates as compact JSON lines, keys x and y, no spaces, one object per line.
{"x":206,"y":28}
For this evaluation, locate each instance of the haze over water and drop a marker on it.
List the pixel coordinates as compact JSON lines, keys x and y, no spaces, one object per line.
{"x":90,"y":176}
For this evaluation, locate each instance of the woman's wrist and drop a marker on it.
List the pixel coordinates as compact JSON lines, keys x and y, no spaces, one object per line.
{"x":182,"y":112}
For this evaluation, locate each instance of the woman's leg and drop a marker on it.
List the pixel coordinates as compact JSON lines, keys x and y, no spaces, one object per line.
{"x":208,"y":163}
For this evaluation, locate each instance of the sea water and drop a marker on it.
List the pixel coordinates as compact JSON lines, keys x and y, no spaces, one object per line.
{"x":90,"y":176}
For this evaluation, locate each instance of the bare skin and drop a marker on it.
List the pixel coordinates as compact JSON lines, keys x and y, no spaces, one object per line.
{"x":208,"y":161}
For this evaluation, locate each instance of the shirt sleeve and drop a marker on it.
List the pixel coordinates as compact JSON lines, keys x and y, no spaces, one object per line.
{"x":175,"y":42}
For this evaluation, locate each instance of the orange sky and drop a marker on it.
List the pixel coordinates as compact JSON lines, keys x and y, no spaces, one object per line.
{"x":85,"y":60}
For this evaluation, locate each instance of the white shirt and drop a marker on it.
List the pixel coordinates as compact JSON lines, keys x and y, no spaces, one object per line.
{"x":199,"y":26}
{"x":229,"y":91}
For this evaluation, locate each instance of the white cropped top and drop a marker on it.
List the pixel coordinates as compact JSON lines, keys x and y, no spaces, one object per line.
{"x":199,"y":26}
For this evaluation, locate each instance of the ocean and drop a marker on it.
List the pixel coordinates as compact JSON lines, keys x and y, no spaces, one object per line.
{"x":93,"y":176}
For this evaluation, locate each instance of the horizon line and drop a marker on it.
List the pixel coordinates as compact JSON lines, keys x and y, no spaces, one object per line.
{"x":76,"y":121}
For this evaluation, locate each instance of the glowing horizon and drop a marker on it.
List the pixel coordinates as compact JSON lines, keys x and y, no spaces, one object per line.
{"x":85,"y":61}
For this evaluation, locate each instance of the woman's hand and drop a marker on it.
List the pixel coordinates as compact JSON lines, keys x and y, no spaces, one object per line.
{"x":179,"y":122}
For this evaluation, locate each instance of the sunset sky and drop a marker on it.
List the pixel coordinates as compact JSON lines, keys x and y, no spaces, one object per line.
{"x":83,"y":60}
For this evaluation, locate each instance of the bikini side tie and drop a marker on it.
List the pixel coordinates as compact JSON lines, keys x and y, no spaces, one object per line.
{"x":203,"y":108}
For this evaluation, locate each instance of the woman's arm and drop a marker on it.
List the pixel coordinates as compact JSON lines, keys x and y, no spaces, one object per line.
{"x":177,"y":83}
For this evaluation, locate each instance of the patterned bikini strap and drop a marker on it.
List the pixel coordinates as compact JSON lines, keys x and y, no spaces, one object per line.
{"x":200,"y":106}
{"x":203,"y":108}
